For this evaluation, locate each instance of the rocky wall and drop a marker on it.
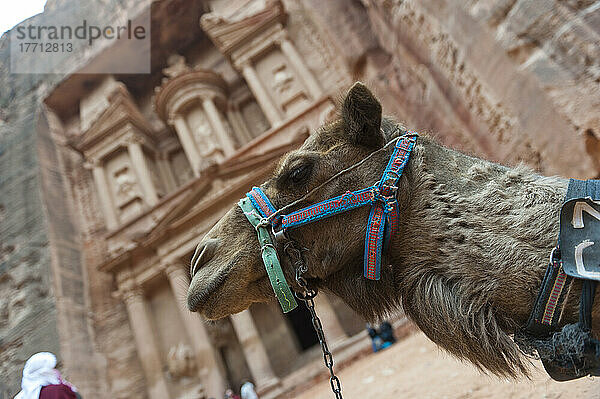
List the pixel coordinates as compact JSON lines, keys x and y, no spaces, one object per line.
{"x":44,"y":287}
{"x":512,"y":80}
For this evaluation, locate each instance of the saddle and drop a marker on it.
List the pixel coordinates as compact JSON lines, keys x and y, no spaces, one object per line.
{"x":571,"y":351}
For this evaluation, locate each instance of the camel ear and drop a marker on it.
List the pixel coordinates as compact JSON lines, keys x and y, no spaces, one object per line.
{"x":361,"y":114}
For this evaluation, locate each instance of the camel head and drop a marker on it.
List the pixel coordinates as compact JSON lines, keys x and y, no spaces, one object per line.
{"x":229,"y":274}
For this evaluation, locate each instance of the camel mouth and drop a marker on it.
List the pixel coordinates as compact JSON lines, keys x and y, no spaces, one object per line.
{"x":204,"y":286}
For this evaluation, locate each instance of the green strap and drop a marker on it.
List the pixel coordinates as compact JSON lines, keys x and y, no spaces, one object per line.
{"x":269,"y":256}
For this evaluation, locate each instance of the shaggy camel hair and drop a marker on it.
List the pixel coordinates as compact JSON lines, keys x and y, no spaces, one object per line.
{"x":467,"y":262}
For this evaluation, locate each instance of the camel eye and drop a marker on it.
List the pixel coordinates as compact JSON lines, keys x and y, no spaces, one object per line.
{"x":300,"y":174}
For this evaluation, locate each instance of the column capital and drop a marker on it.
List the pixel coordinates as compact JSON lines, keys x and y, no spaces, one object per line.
{"x":281,"y":37}
{"x":134,"y":294}
{"x":242,"y":62}
{"x":92,"y":163}
{"x":132,"y":139}
{"x":172,"y":120}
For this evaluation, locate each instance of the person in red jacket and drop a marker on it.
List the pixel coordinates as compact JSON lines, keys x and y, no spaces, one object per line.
{"x":42,"y":381}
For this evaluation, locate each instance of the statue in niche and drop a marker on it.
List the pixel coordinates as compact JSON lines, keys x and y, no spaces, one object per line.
{"x":181,"y":361}
{"x":282,"y":79}
{"x":203,"y":135}
{"x":126,"y":184}
{"x":176,"y":66}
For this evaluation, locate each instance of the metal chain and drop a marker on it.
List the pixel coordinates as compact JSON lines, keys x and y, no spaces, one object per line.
{"x":307,"y":296}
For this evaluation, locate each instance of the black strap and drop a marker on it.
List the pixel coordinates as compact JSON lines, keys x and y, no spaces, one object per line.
{"x":582,"y":189}
{"x":587,"y":300}
{"x":535,"y":325}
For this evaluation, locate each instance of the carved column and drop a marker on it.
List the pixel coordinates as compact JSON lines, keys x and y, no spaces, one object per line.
{"x":214,"y":118}
{"x":187,"y":142}
{"x":146,"y":344}
{"x":289,"y":50}
{"x":334,"y":332}
{"x":261,"y":94}
{"x":208,"y":360}
{"x":138,"y":161}
{"x":254,"y":350}
{"x":166,"y":173}
{"x":238,"y":123}
{"x":104,"y":195}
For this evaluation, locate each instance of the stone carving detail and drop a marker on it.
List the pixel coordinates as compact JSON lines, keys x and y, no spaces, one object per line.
{"x":236,"y":12}
{"x":181,"y":361}
{"x":177,"y":66}
{"x":450,"y":59}
{"x":202,"y":132}
{"x":230,"y":25}
{"x":126,"y":185}
{"x":319,"y":54}
{"x":228,"y":129}
{"x":282,"y":79}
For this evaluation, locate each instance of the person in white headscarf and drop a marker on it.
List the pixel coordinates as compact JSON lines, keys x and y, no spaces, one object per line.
{"x":247,"y":391}
{"x":40,"y":372}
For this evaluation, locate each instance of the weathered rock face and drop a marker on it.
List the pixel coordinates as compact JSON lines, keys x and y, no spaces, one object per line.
{"x":44,"y":302}
{"x":508,"y":80}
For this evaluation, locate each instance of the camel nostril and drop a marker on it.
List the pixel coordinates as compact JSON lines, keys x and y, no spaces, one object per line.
{"x":204,"y":252}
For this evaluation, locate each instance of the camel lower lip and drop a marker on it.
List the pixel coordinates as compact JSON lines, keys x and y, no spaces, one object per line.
{"x":198,"y":300}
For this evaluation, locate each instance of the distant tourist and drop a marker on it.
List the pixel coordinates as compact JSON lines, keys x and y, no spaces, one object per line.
{"x":381,"y":338}
{"x":386,"y":332}
{"x":230,"y":395}
{"x":248,"y":391}
{"x":375,"y":338}
{"x":42,"y":381}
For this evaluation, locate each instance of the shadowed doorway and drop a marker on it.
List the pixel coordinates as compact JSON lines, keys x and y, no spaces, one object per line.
{"x":301,"y":323}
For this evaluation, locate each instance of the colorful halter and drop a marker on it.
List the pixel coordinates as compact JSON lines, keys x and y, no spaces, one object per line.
{"x":382,"y":223}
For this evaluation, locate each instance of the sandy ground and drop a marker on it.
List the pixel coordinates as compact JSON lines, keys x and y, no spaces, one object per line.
{"x":416,"y":368}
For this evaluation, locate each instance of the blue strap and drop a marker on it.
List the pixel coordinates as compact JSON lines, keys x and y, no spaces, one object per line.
{"x":383,"y":218}
{"x":342,"y":203}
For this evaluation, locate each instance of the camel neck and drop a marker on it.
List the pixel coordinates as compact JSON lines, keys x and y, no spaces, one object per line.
{"x":483,"y":230}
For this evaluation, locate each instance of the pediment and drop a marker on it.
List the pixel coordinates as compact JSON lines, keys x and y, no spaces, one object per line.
{"x":233,"y":27}
{"x":122,"y":110}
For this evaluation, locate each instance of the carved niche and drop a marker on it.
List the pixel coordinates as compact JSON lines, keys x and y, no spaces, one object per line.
{"x":254,"y":35}
{"x":283,"y":85}
{"x":194,"y":103}
{"x":127,"y":182}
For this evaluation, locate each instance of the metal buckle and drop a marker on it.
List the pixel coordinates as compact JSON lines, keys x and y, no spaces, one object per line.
{"x":555,"y":253}
{"x":279,"y":234}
